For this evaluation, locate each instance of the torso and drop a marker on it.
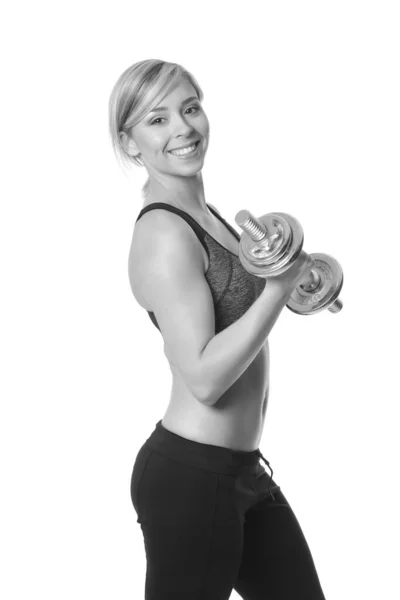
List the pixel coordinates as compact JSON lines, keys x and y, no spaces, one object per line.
{"x":236,"y":421}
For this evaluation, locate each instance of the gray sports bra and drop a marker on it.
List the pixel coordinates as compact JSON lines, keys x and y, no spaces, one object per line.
{"x":233,"y":289}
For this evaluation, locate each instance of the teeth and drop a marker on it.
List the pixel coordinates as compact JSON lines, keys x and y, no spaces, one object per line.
{"x":184,"y":150}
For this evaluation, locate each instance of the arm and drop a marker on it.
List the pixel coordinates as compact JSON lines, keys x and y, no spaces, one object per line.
{"x":170,"y":278}
{"x":229,"y":353}
{"x":172,"y":282}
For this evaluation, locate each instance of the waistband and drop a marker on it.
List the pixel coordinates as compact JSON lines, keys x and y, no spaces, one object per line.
{"x":217,"y":459}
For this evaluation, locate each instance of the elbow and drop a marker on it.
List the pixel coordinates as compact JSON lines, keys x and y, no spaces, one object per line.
{"x":206,"y":395}
{"x":204,"y":387}
{"x":202,"y":393}
{"x":205,"y":400}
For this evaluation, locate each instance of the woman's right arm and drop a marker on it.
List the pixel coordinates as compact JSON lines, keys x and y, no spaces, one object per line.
{"x":174,"y":285}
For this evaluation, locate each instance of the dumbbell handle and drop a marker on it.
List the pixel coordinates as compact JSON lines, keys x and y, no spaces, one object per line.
{"x":258,"y":231}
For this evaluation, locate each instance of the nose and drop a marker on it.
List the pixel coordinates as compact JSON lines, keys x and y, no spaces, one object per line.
{"x":182,"y":128}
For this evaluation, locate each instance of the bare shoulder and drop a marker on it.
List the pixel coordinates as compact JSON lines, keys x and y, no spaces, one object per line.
{"x":153,"y":225}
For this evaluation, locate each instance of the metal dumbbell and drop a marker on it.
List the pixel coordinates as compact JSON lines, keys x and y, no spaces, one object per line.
{"x":270,"y":244}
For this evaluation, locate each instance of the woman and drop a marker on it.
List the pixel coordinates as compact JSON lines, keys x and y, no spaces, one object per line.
{"x":211,"y":517}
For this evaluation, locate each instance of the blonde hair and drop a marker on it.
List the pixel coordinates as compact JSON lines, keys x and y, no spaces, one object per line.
{"x":136,"y":92}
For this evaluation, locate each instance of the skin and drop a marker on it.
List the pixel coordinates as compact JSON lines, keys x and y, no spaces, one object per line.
{"x":179,"y":182}
{"x":153,"y":137}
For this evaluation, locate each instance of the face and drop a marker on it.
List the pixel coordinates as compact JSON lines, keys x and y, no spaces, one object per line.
{"x":181,"y":123}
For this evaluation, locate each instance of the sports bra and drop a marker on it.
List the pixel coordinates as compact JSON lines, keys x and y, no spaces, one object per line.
{"x":233,"y":289}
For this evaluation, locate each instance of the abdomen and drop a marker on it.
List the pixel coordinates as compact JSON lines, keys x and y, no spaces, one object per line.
{"x":235,"y":421}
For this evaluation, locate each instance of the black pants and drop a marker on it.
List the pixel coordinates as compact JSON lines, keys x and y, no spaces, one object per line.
{"x":213,"y":520}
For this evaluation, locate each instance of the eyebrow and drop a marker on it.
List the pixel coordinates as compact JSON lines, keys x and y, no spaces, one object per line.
{"x":166,"y":108}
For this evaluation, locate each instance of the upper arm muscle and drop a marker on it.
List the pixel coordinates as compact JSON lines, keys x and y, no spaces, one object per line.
{"x":173,"y":284}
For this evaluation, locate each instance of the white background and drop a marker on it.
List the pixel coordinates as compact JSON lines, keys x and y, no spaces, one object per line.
{"x":303,"y":102}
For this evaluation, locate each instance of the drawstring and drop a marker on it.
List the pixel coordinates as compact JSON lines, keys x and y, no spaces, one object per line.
{"x":258,"y":452}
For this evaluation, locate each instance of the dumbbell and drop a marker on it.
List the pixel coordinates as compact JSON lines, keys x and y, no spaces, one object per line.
{"x":270,"y":244}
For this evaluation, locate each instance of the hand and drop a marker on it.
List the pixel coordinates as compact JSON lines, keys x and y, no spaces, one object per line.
{"x":295,"y":274}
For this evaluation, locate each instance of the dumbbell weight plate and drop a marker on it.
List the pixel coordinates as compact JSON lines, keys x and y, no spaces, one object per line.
{"x":267,"y":262}
{"x":309,"y":303}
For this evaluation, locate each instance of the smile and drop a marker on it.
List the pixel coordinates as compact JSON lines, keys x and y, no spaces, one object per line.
{"x":189,"y":151}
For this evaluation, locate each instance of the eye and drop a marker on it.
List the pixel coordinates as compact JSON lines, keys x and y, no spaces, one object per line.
{"x":196,"y":107}
{"x":154,"y":122}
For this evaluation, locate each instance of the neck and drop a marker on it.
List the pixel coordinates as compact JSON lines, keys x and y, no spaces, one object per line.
{"x":186,"y":193}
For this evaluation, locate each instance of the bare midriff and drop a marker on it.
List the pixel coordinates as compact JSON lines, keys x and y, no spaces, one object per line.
{"x":235,"y":421}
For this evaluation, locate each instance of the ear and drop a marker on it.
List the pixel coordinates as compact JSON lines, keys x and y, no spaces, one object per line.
{"x":128,"y":144}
